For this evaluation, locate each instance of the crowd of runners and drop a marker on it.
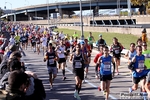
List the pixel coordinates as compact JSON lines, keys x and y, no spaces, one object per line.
{"x":57,"y":48}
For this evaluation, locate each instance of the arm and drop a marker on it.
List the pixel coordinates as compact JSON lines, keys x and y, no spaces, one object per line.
{"x":114,"y":66}
{"x":131,"y":65}
{"x":147,"y":84}
{"x":71,"y":57}
{"x":96,"y":59}
{"x":45,"y":57}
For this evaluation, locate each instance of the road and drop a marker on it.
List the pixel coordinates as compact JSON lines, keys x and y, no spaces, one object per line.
{"x":63,"y":90}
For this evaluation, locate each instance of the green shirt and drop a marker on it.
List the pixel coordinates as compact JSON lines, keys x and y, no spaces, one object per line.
{"x":75,"y":35}
{"x":90,"y":40}
{"x":147,"y":58}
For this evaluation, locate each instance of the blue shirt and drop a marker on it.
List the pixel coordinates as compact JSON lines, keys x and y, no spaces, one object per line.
{"x":139,"y":64}
{"x":105,"y":66}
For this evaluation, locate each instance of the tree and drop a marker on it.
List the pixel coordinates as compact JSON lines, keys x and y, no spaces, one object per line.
{"x":1,"y":12}
{"x":143,"y":5}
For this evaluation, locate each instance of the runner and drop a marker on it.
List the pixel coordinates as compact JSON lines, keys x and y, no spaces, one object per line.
{"x":95,"y":61}
{"x":91,"y":40}
{"x":86,"y":52}
{"x":146,"y":53}
{"x":60,"y":49}
{"x":116,"y":49}
{"x":101,"y":41}
{"x":37,"y":39}
{"x":33,"y":43}
{"x":130,"y":54}
{"x":77,"y":59}
{"x":139,"y":70}
{"x":106,"y":74}
{"x":51,"y":58}
{"x":44,"y":43}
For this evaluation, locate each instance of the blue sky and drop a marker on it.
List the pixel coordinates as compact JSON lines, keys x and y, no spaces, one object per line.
{"x":21,"y":3}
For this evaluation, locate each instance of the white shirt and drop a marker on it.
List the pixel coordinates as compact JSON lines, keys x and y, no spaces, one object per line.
{"x":11,"y":41}
{"x":61,"y":35}
{"x":44,"y":41}
{"x":61,"y":49}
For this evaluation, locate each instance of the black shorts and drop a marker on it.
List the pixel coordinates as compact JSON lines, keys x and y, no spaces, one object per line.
{"x":136,"y":80}
{"x":117,"y":56}
{"x":91,"y":46}
{"x":33,"y":44}
{"x":105,"y":77}
{"x":79,"y":72}
{"x":61,"y":60}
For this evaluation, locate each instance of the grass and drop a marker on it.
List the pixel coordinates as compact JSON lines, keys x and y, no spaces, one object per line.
{"x":124,"y":39}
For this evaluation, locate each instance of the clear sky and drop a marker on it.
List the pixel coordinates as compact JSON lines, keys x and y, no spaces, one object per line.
{"x":21,"y":3}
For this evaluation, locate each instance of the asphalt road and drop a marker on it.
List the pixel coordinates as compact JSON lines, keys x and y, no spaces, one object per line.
{"x":64,"y":90}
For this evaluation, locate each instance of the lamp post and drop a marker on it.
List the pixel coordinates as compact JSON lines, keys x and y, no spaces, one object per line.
{"x":129,"y":7}
{"x":11,"y":8}
{"x":81,"y":21}
{"x":48,"y":11}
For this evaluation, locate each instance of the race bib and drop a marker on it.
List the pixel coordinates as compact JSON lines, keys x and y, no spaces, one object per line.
{"x":106,"y":67}
{"x":23,"y":39}
{"x":116,"y":51}
{"x":78,"y":65}
{"x":51,"y":61}
{"x":141,"y":66}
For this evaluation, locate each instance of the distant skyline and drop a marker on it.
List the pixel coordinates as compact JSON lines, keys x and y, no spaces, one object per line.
{"x":22,"y":3}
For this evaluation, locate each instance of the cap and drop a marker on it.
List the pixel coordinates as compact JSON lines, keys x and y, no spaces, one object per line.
{"x":100,"y":35}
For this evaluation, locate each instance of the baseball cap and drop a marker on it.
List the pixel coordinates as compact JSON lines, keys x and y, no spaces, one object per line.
{"x":100,"y":35}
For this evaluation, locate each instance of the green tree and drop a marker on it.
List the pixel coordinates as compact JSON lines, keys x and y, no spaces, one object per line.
{"x":144,"y":5}
{"x":1,"y":12}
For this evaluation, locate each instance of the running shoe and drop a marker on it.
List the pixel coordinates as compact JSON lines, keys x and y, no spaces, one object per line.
{"x":64,"y":78}
{"x":76,"y":95}
{"x":104,"y":92}
{"x":99,"y":89}
{"x":130,"y":90}
{"x":51,"y":88}
{"x":96,"y":76}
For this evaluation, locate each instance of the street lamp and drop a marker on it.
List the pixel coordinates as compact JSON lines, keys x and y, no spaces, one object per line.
{"x":129,"y":7}
{"x":11,"y":8}
{"x":81,"y":21}
{"x":48,"y":11}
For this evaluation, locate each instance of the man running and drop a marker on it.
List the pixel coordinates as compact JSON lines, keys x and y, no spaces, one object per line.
{"x":101,"y":41}
{"x":51,"y":58}
{"x":130,"y":54}
{"x":77,"y":59}
{"x":139,"y":70}
{"x":146,"y":53}
{"x":61,"y":49}
{"x":106,"y":74}
{"x":95,"y":61}
{"x":91,"y":40}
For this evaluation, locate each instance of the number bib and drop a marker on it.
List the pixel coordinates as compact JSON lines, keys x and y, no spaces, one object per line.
{"x":23,"y":39}
{"x":116,"y":51}
{"x":51,"y":61}
{"x":78,"y":65}
{"x":106,"y":67}
{"x":141,"y":66}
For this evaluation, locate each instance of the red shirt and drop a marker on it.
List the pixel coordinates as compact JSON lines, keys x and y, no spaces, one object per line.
{"x":97,"y":56}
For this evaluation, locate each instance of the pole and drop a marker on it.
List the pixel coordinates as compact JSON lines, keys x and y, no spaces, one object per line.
{"x":129,"y":8}
{"x":11,"y":9}
{"x":48,"y":11}
{"x":81,"y":21}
